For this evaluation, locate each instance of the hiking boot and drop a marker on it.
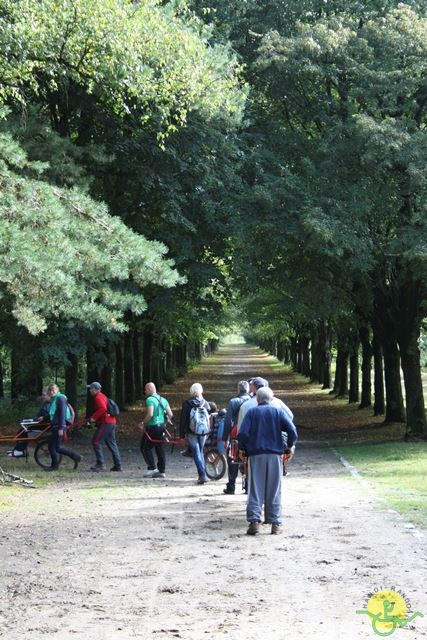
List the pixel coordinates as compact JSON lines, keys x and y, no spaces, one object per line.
{"x":253,"y":529}
{"x":159,"y":474}
{"x":228,"y":491}
{"x":150,"y":473}
{"x":98,"y":467}
{"x":115,"y":468}
{"x":276,"y":529}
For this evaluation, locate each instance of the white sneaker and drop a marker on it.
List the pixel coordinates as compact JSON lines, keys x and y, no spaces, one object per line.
{"x":15,"y":454}
{"x":150,"y":473}
{"x":159,"y":474}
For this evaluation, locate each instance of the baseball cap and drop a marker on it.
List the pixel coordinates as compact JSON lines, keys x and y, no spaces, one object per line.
{"x":258,"y":382}
{"x":94,"y":385}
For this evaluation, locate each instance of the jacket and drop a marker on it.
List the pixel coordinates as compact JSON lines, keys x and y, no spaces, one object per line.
{"x":100,"y":414}
{"x":261,"y":430}
{"x":184,"y":420}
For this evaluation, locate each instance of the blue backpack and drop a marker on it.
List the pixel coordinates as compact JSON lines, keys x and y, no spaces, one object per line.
{"x":199,"y":421}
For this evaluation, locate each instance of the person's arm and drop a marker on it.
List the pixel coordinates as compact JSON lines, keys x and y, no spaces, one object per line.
{"x":147,"y":415}
{"x":228,"y":419}
{"x":169,"y":413}
{"x":243,"y":433}
{"x":288,"y":426}
{"x":100,"y":412}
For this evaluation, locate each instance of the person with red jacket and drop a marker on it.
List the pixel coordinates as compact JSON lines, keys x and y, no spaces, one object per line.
{"x":105,"y":430}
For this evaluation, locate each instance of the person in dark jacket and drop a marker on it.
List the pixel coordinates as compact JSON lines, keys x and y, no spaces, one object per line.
{"x":196,"y":442}
{"x":260,"y":437}
{"x":28,"y":431}
{"x":231,"y":416}
{"x":58,"y":420}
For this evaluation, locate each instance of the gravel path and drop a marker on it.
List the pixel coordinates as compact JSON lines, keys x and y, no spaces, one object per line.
{"x":105,"y":558}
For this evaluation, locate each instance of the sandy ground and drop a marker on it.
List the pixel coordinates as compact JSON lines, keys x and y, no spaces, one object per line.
{"x":117,"y":556}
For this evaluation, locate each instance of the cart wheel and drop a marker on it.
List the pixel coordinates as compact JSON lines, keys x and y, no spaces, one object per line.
{"x":42,"y":455}
{"x":216,"y":464}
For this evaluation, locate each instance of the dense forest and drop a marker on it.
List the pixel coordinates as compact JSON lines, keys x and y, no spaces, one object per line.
{"x":172,"y":171}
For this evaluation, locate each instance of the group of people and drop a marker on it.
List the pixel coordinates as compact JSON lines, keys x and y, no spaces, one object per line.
{"x":264,"y":428}
{"x":261,"y":423}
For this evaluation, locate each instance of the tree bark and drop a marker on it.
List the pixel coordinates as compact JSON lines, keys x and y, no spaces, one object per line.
{"x":120,"y":375}
{"x":137,"y":360}
{"x":129,"y":368}
{"x":353,"y":392}
{"x":409,"y":328}
{"x":394,"y":410}
{"x":147,"y":349}
{"x":72,"y":380}
{"x":379,"y":395}
{"x":366,"y":396}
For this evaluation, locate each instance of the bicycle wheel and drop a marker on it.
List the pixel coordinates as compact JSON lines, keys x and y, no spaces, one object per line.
{"x":216,"y":464}
{"x":42,"y":455}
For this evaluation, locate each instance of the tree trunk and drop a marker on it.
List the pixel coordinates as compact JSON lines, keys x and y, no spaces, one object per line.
{"x":409,"y":327}
{"x":379,"y":395}
{"x":1,"y":379}
{"x":137,"y":361}
{"x":25,"y":366}
{"x":394,"y":410}
{"x":119,"y":392}
{"x":129,"y":368}
{"x":72,"y":381}
{"x":147,"y":350}
{"x":366,"y":397}
{"x":326,"y":339}
{"x":342,"y":367}
{"x":305,"y":356}
{"x":353,"y":393}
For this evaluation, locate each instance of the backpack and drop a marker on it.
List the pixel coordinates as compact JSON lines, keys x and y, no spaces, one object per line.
{"x":199,"y":421}
{"x":70,"y":414}
{"x":216,"y":436}
{"x":112,"y":408}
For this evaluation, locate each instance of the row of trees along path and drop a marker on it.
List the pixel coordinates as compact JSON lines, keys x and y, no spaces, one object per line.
{"x":102,"y":557}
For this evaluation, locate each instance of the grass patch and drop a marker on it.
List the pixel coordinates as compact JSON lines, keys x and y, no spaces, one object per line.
{"x":398,"y":470}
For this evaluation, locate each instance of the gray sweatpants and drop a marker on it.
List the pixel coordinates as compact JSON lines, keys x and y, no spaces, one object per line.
{"x":265,"y":472}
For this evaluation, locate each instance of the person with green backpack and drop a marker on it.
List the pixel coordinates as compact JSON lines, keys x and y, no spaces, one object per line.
{"x":157,"y":413}
{"x":59,"y":413}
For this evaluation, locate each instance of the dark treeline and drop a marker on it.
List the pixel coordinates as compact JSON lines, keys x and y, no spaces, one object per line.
{"x":204,"y":165}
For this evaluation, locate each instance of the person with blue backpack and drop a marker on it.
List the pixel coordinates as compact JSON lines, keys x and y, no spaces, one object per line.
{"x":195,"y":423}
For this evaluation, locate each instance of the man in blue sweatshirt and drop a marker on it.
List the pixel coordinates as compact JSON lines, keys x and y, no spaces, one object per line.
{"x":260,"y":437}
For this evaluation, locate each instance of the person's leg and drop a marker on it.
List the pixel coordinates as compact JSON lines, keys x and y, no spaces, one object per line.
{"x":97,"y":444}
{"x":233,"y":470}
{"x":197,"y":443}
{"x":66,"y":452}
{"x":147,"y":451}
{"x":273,"y":490}
{"x":257,"y":467}
{"x":52,"y":446}
{"x":110,"y":441}
{"x":160,"y":448}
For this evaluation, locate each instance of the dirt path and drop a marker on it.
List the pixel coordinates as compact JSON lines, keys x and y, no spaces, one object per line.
{"x":106,"y":558}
